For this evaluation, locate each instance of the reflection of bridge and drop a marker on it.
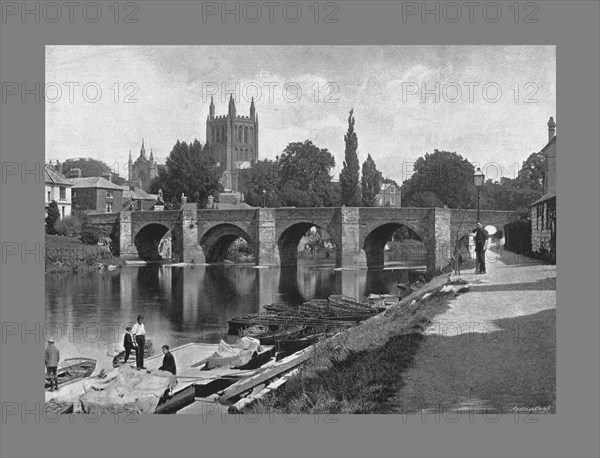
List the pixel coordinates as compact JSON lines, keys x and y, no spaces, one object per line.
{"x":360,"y":234}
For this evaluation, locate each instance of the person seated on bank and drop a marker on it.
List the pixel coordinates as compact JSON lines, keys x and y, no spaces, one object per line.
{"x":168,"y":361}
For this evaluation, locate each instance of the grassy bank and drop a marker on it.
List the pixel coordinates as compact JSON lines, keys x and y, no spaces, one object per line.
{"x":70,"y":255}
{"x":360,"y":370}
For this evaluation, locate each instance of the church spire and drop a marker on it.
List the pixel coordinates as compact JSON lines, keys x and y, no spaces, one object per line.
{"x":143,"y":150}
{"x":211,"y":108}
{"x":151,"y":155}
{"x":130,"y":161}
{"x":252,"y":109}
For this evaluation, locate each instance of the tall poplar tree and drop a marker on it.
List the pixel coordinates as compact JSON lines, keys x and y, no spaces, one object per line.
{"x":349,"y":176}
{"x":371,"y":182}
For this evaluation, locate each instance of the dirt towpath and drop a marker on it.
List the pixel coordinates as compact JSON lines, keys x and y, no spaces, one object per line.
{"x":494,"y":349}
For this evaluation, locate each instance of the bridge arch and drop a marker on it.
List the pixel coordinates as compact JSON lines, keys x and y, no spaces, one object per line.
{"x":289,"y":239}
{"x":147,"y":240}
{"x":217,"y":240}
{"x":378,"y":237}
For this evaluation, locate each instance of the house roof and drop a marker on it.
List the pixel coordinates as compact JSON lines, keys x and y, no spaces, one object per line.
{"x":385,"y":186}
{"x":55,"y":178}
{"x":94,"y":182}
{"x":552,"y":140}
{"x":136,"y":194}
{"x":232,"y":206}
{"x":547,"y":196}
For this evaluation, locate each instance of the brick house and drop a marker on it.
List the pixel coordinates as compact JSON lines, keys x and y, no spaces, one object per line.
{"x":58,"y":189}
{"x":96,"y":195}
{"x":388,"y":196}
{"x":543,"y":210}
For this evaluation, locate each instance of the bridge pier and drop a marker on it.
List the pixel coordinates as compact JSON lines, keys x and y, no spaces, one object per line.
{"x":191,"y":251}
{"x":349,"y":252}
{"x":267,"y":252}
{"x":439,"y":246}
{"x":126,"y":245}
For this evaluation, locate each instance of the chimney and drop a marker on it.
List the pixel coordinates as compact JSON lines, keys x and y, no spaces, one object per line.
{"x":211,"y":201}
{"x":75,"y":172}
{"x":183,"y":199}
{"x":551,"y":129}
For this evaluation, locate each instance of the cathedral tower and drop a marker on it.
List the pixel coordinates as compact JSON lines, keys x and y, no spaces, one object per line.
{"x":234,"y":141}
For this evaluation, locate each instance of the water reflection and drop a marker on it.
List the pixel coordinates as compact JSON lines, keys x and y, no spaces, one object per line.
{"x":188,"y":304}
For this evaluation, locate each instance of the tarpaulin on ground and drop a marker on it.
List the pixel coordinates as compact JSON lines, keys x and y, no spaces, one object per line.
{"x":234,"y":355}
{"x":130,"y":391}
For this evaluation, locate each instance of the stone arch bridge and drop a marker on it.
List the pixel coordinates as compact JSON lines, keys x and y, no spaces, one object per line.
{"x":273,"y":234}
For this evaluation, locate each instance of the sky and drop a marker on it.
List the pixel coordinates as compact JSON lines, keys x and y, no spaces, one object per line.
{"x":490,"y":104}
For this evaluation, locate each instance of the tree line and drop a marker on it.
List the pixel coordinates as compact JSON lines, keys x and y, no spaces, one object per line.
{"x":301,"y":176}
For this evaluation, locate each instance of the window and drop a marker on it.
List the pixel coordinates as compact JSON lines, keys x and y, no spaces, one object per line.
{"x":245,"y":135}
{"x":62,"y":193}
{"x":393,"y":201}
{"x":392,"y":190}
{"x":109,"y":194}
{"x":240,"y":134}
{"x":49,"y":196}
{"x":108,"y":207}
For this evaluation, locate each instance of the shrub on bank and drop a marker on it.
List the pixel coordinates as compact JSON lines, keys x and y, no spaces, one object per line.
{"x":70,"y":255}
{"x":69,"y":227}
{"x":89,"y":234}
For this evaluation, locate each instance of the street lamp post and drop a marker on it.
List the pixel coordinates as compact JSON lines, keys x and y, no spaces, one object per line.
{"x":478,"y":177}
{"x":264,"y":198}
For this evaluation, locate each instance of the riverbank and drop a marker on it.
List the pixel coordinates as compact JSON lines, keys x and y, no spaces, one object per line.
{"x":360,"y":370}
{"x":422,"y":356}
{"x":68,"y":255}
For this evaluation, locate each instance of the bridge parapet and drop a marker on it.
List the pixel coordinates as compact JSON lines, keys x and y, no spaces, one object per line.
{"x":360,"y":234}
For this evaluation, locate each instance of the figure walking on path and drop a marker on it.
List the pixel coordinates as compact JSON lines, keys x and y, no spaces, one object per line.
{"x":139,"y":333}
{"x":481,"y":242}
{"x":52,"y":359}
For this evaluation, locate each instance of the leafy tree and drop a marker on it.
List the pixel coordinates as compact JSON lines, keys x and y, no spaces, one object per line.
{"x":52,"y":218}
{"x":191,"y":170}
{"x":371,"y":182}
{"x":531,"y":174}
{"x":518,"y":193}
{"x":349,"y":176}
{"x":306,"y":176}
{"x":441,"y":178}
{"x":91,"y":168}
{"x":262,"y":176}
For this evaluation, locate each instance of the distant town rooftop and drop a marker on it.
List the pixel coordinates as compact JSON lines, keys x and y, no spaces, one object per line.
{"x":93,"y":182}
{"x":53,"y":177}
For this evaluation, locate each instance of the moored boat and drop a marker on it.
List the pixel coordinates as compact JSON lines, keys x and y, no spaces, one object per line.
{"x":73,"y":369}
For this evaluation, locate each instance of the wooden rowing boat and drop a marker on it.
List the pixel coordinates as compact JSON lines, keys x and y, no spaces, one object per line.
{"x":73,"y":369}
{"x":285,"y":332}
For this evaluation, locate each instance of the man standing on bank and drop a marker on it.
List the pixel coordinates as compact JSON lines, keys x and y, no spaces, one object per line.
{"x":128,"y":343}
{"x":52,"y":359}
{"x":481,"y":239}
{"x":139,"y":333}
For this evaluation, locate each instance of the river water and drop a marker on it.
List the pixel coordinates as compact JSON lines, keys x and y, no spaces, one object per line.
{"x":87,"y":313}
